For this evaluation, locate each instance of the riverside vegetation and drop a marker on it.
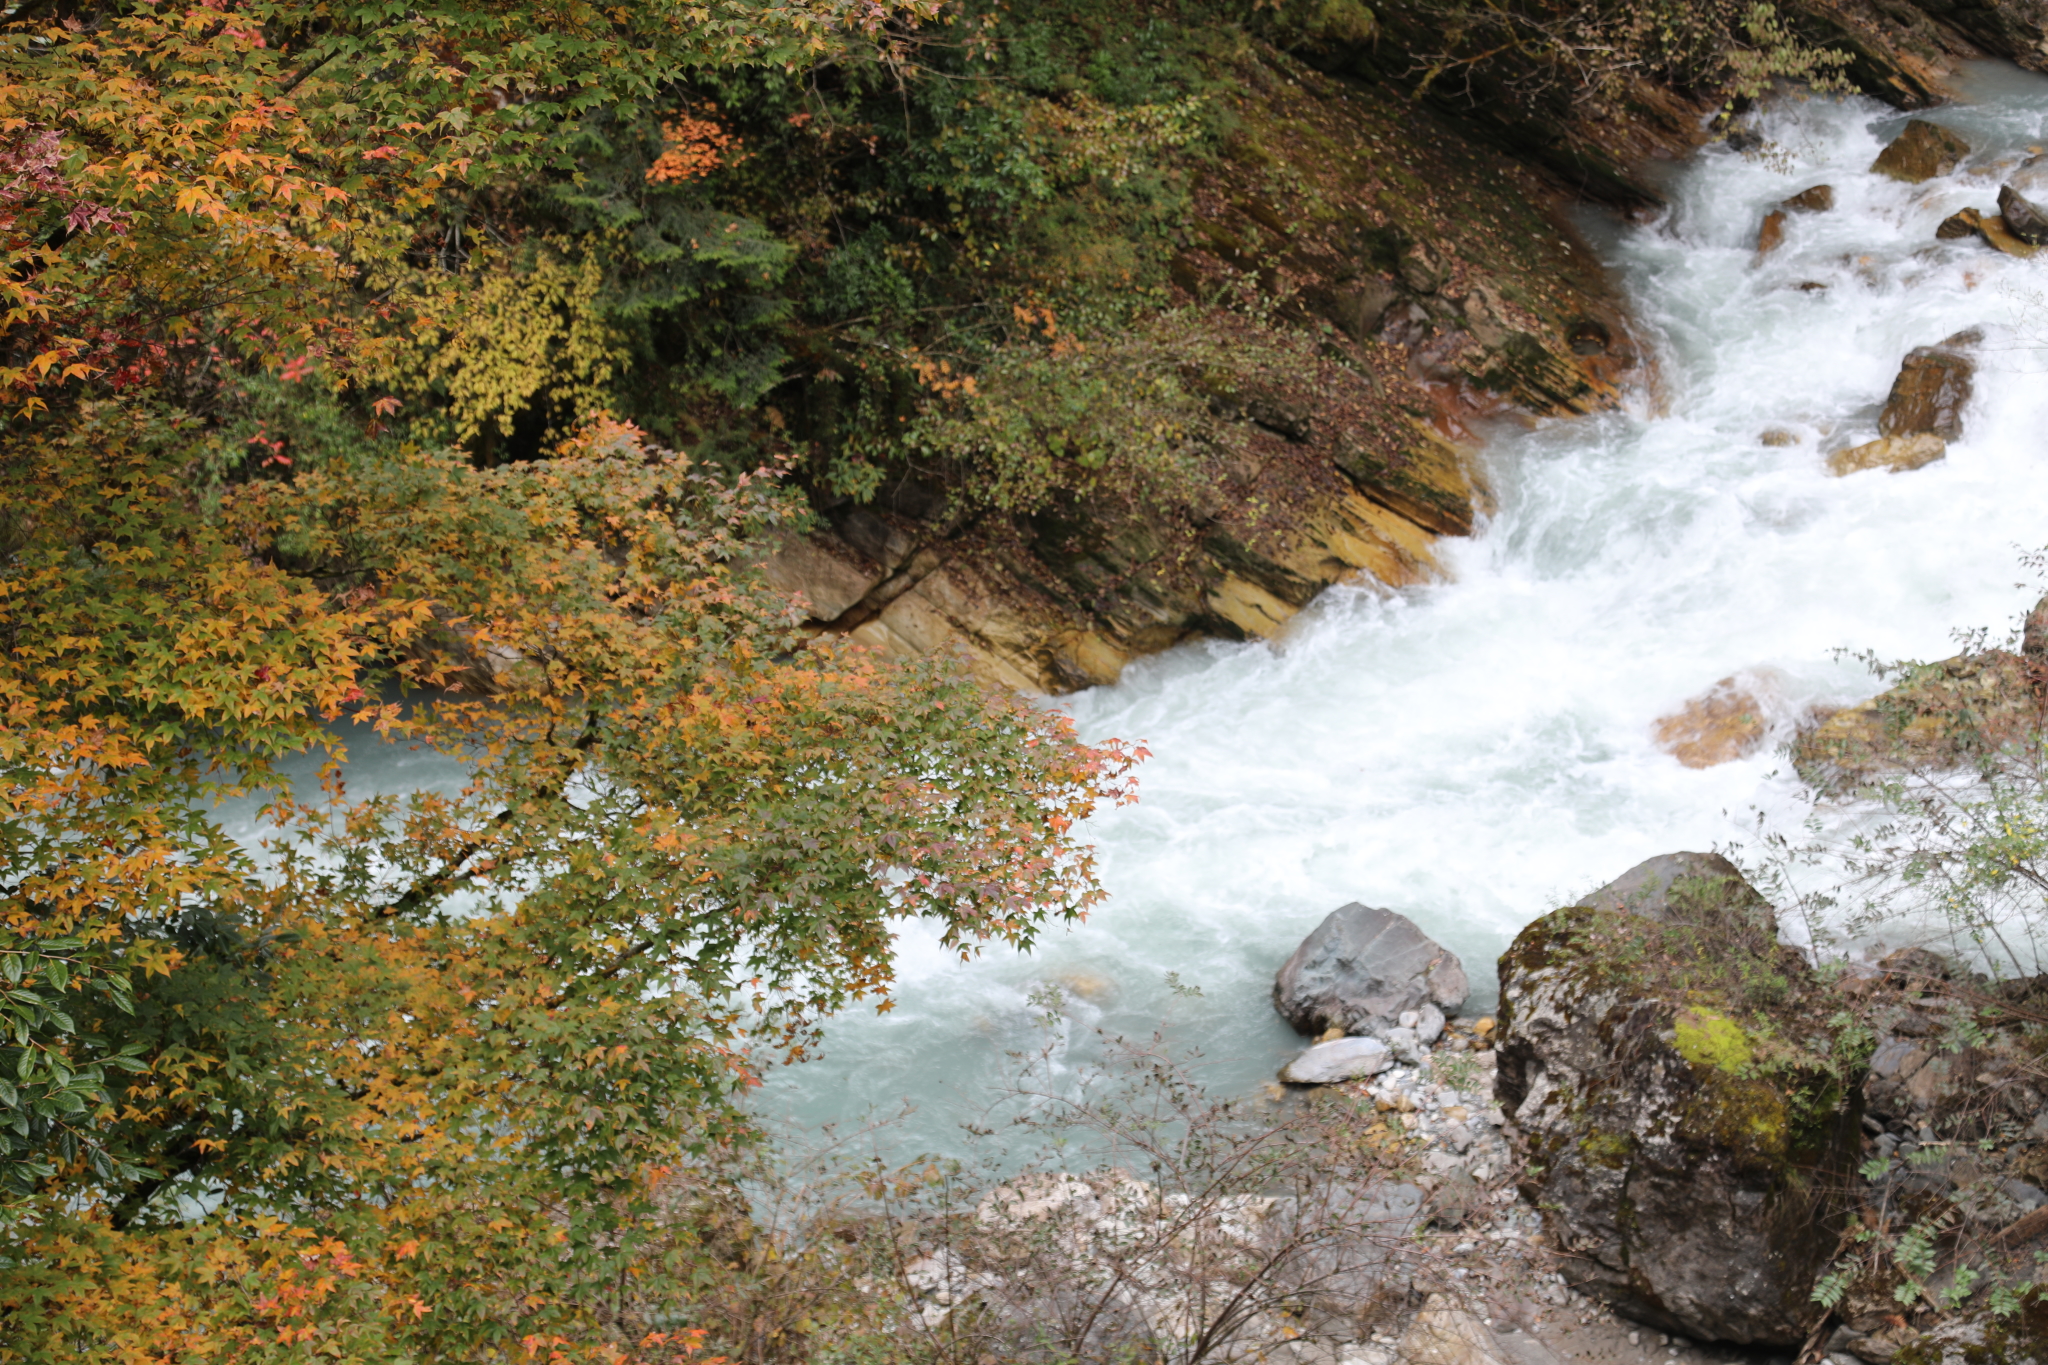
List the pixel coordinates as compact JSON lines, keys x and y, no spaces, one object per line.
{"x":447,"y":374}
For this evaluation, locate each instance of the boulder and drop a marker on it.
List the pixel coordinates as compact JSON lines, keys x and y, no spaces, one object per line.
{"x":1896,"y":453}
{"x":1681,"y":1113}
{"x":1818,"y":199}
{"x":2023,"y":202}
{"x":1361,"y":969}
{"x":1724,"y":723}
{"x":1933,"y":387}
{"x":1923,"y":151}
{"x":1345,"y":1059}
{"x":1681,"y":888}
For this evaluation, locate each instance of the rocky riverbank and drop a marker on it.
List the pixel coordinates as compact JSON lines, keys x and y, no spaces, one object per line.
{"x":1723,"y":1144}
{"x":1424,"y":254}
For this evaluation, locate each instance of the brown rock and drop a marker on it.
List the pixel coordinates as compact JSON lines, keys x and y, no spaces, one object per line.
{"x":1960,"y":224}
{"x":1922,"y":152}
{"x":1778,"y":436}
{"x":1933,"y":386}
{"x":1895,"y":453}
{"x":1771,"y":233}
{"x":2000,"y":236}
{"x":1721,"y":725}
{"x":823,"y":570}
{"x":1819,"y":199}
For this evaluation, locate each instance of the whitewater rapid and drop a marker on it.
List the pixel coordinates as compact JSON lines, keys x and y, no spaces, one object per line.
{"x":1476,"y":752}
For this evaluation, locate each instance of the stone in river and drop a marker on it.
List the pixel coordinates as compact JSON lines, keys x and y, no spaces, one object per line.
{"x":1346,"y":1059}
{"x":1895,"y":453}
{"x":1933,"y":387}
{"x":1961,"y":224}
{"x":1772,"y":233}
{"x":1922,"y":152}
{"x":1999,"y":235}
{"x":1819,"y":199}
{"x":1720,"y":725}
{"x":1361,"y":969}
{"x":2023,"y":202}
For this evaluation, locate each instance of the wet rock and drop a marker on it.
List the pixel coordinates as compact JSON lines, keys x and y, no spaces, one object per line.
{"x":1818,"y":199}
{"x":1361,"y":969}
{"x":2023,"y":202}
{"x":1344,"y":1059}
{"x":1933,"y":387}
{"x":1771,"y":235}
{"x":1895,"y":453}
{"x":1778,"y":436}
{"x":1698,"y":1173}
{"x":1962,"y":224}
{"x":1987,"y":228}
{"x":1721,"y":725}
{"x":1998,"y":235}
{"x":1922,"y":152}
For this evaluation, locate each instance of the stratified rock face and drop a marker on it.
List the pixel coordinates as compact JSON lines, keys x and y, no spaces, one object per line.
{"x":1924,"y":151}
{"x":2023,"y":201}
{"x":1932,"y":389}
{"x":1362,"y":969}
{"x":1682,"y":1131}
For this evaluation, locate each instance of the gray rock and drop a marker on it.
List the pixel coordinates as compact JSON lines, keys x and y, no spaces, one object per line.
{"x":1405,"y":1044}
{"x":1684,"y":887}
{"x":1697,"y":1192}
{"x":1361,"y":969}
{"x":2023,"y":200}
{"x":1342,"y":1059}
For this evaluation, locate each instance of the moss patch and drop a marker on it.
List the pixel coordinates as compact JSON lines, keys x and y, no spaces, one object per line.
{"x":1706,"y":1038}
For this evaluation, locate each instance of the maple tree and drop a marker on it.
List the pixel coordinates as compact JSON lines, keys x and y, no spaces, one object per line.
{"x":402,"y":1077}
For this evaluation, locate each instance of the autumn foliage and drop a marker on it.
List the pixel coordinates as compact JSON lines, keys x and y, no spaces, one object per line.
{"x":290,"y":1070}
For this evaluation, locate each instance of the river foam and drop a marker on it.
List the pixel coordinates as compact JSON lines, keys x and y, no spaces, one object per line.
{"x":1475,"y":752}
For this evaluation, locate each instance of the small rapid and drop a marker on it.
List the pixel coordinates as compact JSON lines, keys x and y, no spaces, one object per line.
{"x":1475,"y":752}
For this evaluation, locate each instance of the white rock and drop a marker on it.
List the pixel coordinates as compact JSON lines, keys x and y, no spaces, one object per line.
{"x":1410,"y":1019}
{"x":1342,"y":1059}
{"x":1406,"y":1043}
{"x":1430,"y":1026}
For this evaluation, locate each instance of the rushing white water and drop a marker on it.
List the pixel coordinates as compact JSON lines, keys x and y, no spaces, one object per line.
{"x":1476,"y":752}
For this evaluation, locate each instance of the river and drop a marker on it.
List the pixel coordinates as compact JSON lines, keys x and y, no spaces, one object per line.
{"x":1476,"y":752}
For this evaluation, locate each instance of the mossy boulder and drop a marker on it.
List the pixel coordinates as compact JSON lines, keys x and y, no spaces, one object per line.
{"x":1687,"y":1122}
